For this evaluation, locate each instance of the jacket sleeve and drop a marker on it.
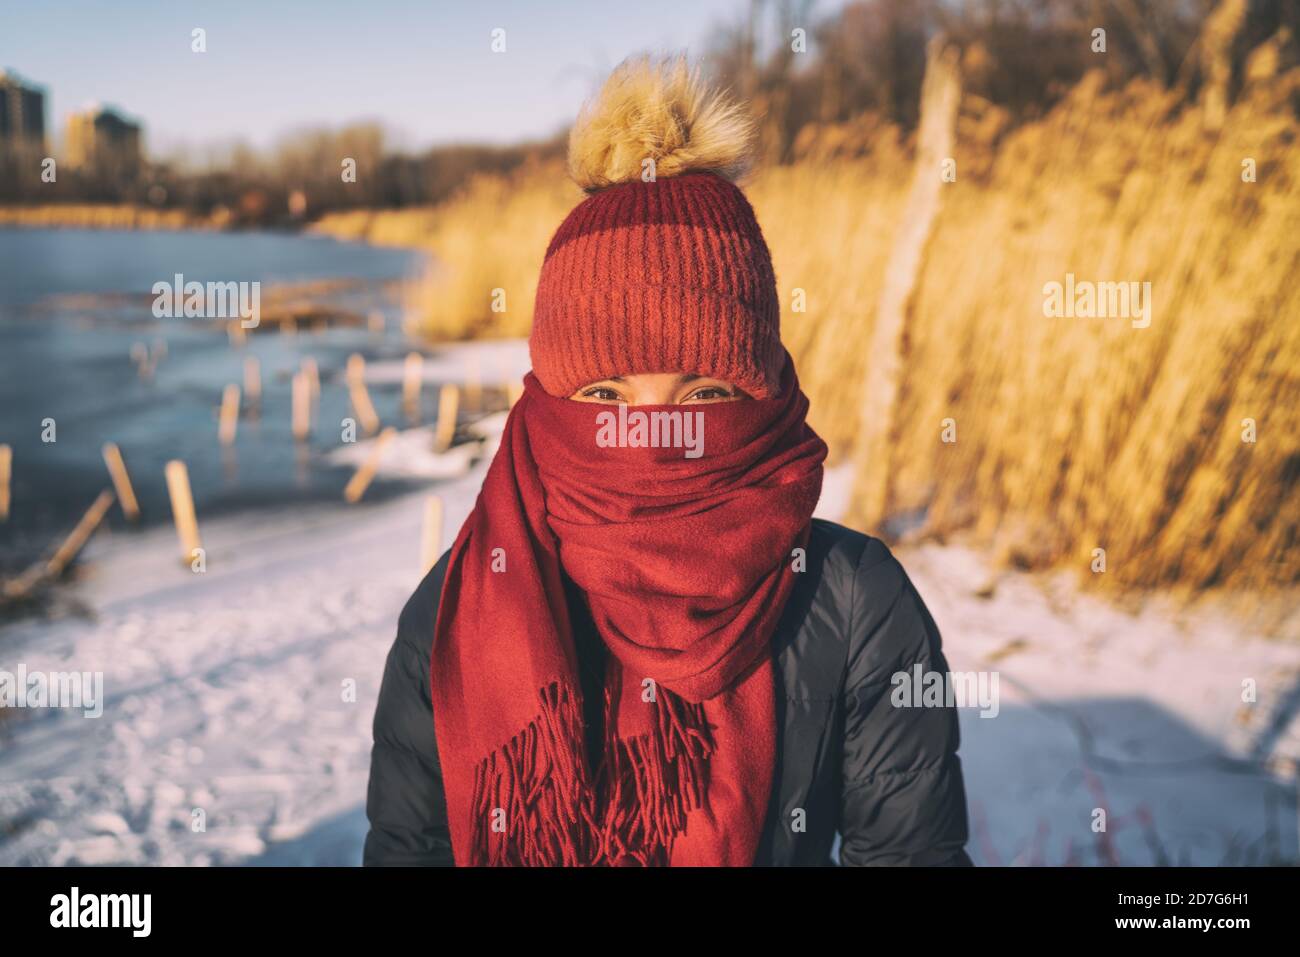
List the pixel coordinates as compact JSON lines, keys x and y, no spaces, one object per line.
{"x":405,"y":803}
{"x":903,"y":801}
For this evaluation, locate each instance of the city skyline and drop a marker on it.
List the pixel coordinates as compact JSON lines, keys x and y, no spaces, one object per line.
{"x":98,"y":139}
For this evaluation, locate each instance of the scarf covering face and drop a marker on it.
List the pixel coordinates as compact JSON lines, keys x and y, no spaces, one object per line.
{"x":686,"y":564}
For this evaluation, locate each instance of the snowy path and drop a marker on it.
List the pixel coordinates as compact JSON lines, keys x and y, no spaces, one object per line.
{"x":1140,"y":715}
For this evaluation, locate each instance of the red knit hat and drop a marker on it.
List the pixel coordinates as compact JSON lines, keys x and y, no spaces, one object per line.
{"x":666,"y":275}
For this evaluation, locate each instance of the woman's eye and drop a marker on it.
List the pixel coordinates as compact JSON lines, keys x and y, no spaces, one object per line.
{"x":602,"y":393}
{"x":708,"y":393}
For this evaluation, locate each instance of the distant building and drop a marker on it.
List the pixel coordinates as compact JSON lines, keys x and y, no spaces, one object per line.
{"x":22,"y":136}
{"x":104,"y":143}
{"x":22,"y":116}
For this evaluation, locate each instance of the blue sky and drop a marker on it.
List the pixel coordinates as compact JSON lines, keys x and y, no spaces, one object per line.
{"x":424,"y":69}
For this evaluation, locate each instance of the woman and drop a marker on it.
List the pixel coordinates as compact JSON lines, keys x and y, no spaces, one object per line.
{"x":642,"y":649}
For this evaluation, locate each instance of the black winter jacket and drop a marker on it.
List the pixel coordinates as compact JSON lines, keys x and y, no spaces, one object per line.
{"x":887,"y":780}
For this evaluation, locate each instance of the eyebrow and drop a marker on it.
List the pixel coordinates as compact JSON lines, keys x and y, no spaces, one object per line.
{"x":686,"y":377}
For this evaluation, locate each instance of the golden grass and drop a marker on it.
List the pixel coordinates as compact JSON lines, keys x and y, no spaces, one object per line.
{"x":488,"y":242}
{"x":101,"y":216}
{"x":384,"y":227}
{"x":1076,"y":434}
{"x":830,"y":228}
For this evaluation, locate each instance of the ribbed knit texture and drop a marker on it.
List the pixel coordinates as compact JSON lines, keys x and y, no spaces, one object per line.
{"x":669,"y":276}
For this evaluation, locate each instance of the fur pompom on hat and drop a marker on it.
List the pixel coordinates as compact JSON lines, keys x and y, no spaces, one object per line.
{"x":663,"y":267}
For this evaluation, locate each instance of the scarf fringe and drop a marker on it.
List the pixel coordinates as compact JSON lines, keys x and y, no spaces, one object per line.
{"x":647,"y":785}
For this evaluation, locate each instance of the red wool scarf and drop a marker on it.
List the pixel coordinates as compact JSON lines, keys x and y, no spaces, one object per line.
{"x":686,"y":564}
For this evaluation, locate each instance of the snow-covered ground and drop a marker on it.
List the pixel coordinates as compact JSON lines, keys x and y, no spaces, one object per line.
{"x":243,"y":696}
{"x":1139,"y":715}
{"x":246,"y":691}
